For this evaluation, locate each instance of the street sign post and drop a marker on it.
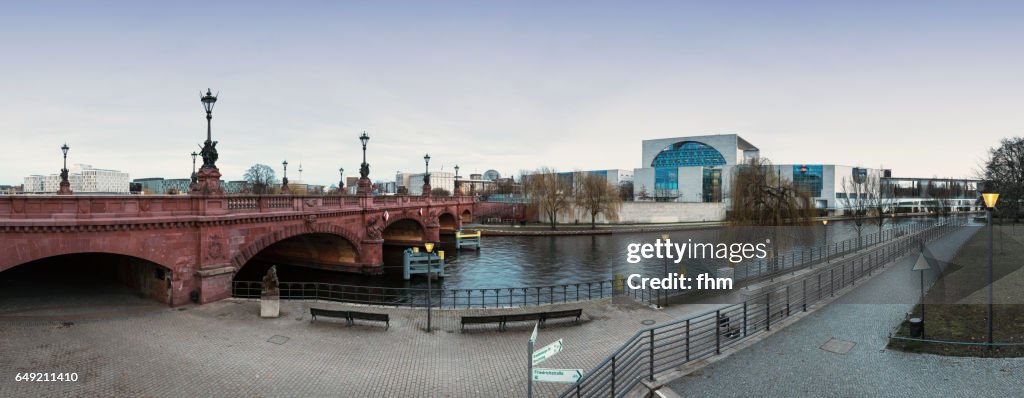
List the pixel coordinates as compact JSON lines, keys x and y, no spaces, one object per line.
{"x":557,"y":375}
{"x":920,"y":266}
{"x":547,"y":352}
{"x":529,"y":372}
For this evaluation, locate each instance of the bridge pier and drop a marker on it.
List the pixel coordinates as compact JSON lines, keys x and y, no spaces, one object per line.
{"x":372,"y":255}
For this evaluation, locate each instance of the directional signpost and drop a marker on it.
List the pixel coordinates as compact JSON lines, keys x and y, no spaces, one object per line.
{"x":549,"y":375}
{"x":547,"y":352}
{"x":529,"y":374}
{"x":557,"y":375}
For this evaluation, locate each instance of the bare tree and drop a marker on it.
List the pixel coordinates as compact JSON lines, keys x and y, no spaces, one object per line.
{"x":595,"y":195}
{"x":1004,"y":173}
{"x":856,"y":203}
{"x":941,"y":193}
{"x":261,"y":177}
{"x":881,"y":198}
{"x":551,"y":193}
{"x":441,"y":192}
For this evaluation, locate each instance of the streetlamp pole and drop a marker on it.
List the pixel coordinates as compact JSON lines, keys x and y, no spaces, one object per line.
{"x":65,"y":185}
{"x":426,"y":175}
{"x":208,"y":177}
{"x":458,"y":188}
{"x":284,"y":180}
{"x":430,"y":291}
{"x":990,"y":203}
{"x":364,"y":168}
{"x":341,"y":180}
{"x":664,"y":240}
{"x":824,"y":245}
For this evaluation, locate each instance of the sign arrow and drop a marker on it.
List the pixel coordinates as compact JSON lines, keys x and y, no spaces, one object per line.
{"x":557,"y":375}
{"x":548,"y":351}
{"x":533,"y":337}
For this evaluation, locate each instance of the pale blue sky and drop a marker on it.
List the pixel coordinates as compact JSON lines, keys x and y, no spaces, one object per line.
{"x":923,"y":88}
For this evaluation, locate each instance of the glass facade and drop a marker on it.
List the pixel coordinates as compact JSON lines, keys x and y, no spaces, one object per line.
{"x":808,"y":178}
{"x":685,"y":154}
{"x":712,"y":184}
{"x":666,"y":178}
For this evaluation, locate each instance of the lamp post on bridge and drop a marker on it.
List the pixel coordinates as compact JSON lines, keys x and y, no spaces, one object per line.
{"x":284,"y":180}
{"x":208,"y":177}
{"x":341,"y":181}
{"x":194,"y":185}
{"x":426,"y":175}
{"x":65,"y":185}
{"x":458,"y":187}
{"x":364,"y":169}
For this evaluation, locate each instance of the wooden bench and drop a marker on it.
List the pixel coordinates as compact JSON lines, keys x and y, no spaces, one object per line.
{"x":502,"y":320}
{"x":576,"y":313}
{"x":351,"y":316}
{"x":328,"y":313}
{"x":534,"y":316}
{"x":480,"y":320}
{"x":369,"y":316}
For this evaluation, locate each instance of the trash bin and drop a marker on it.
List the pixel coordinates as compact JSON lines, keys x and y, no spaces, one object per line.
{"x":916,"y":327}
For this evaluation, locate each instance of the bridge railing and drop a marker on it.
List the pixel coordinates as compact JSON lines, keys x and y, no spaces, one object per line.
{"x":60,"y":207}
{"x":442,"y":298}
{"x":668,"y":346}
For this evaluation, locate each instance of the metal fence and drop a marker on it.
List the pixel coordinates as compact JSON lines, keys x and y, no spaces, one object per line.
{"x":664,"y":347}
{"x":441,"y":298}
{"x":793,"y":260}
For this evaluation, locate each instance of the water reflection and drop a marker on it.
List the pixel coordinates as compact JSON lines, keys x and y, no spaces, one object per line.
{"x":507,"y":261}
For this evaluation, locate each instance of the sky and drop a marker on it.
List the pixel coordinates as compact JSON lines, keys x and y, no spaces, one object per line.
{"x":923,"y":88}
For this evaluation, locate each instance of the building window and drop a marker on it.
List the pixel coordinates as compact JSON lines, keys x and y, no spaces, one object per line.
{"x":712,"y":185}
{"x":688,"y":154}
{"x":808,"y":178}
{"x":666,"y":179}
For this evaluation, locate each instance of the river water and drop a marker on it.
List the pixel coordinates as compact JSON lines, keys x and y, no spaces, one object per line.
{"x":522,"y":261}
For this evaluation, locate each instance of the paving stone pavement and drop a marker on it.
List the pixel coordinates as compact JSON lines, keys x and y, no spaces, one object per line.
{"x":791,"y":363}
{"x":222,"y":349}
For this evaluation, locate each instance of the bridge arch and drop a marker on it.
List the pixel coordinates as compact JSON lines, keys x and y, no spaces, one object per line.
{"x":467,"y":216}
{"x":91,"y":272}
{"x":447,"y":221}
{"x":252,"y":249}
{"x":40,"y":249}
{"x":404,"y":229}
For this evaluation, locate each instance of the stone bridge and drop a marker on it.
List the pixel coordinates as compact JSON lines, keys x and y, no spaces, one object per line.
{"x":198,"y":243}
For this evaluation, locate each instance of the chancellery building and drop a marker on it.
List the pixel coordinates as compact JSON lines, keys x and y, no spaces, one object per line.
{"x":698,"y":169}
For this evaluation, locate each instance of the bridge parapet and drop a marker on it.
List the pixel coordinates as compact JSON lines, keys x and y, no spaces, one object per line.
{"x":55,"y":208}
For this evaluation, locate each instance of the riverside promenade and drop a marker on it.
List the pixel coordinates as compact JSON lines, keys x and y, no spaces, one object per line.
{"x":794,"y":362}
{"x":122,"y":345}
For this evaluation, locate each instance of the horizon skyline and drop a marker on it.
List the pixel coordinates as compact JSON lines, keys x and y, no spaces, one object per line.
{"x":921,"y":88}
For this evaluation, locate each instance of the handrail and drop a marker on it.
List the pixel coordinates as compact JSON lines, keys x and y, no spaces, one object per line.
{"x":664,"y":347}
{"x":505,"y":297}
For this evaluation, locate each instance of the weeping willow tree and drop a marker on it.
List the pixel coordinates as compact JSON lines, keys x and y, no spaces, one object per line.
{"x":761,"y":201}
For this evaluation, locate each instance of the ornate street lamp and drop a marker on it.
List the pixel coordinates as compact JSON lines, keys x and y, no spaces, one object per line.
{"x":194,"y":179}
{"x":364,"y":168}
{"x":341,"y":180}
{"x":209,"y":151}
{"x":284,"y":180}
{"x":990,"y":199}
{"x":426,"y":175}
{"x":65,"y":185}
{"x":458,"y":187}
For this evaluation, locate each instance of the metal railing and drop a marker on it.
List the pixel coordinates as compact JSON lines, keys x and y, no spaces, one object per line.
{"x":664,"y":347}
{"x":442,"y":298}
{"x":792,"y":260}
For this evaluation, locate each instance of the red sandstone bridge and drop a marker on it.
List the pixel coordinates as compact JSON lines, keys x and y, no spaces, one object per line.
{"x":198,"y":243}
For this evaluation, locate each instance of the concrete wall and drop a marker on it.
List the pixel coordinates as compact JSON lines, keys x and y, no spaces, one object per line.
{"x":656,"y":212}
